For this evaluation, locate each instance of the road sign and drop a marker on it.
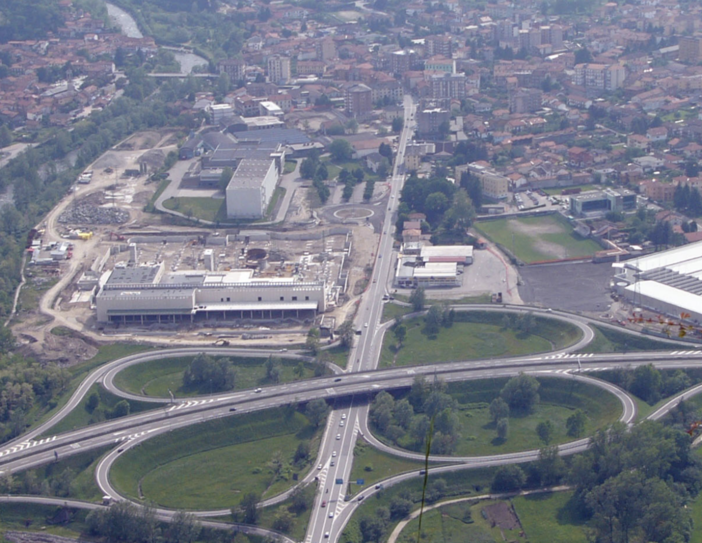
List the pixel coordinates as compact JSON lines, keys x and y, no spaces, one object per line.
{"x":339,"y":481}
{"x":360,"y":481}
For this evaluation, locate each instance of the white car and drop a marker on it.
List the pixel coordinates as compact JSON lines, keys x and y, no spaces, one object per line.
{"x":331,"y":514}
{"x":320,"y":466}
{"x":257,"y":390}
{"x":343,"y":416}
{"x":338,"y":437}
{"x":334,"y":454}
{"x":341,"y":423}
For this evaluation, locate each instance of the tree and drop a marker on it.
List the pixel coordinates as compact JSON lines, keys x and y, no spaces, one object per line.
{"x":5,"y":136}
{"x":433,"y":320}
{"x":508,"y":478}
{"x":521,"y":393}
{"x":498,"y":409}
{"x":358,"y":175}
{"x":386,"y":151}
{"x":341,"y":150}
{"x":473,"y":187}
{"x":322,"y":173}
{"x":503,"y":429}
{"x":92,"y":402}
{"x":400,"y":332}
{"x":550,"y":466}
{"x":312,"y":341}
{"x":545,"y":431}
{"x":183,"y":528}
{"x":317,"y":411}
{"x":575,"y":424}
{"x":435,"y":206}
{"x":308,"y":168}
{"x":397,"y":124}
{"x":403,"y":413}
{"x":582,"y":56}
{"x":283,"y":519}
{"x":647,"y":383}
{"x":417,"y":299}
{"x":400,"y":508}
{"x":249,"y":506}
{"x":461,"y":213}
{"x":346,"y":334}
{"x":273,"y":369}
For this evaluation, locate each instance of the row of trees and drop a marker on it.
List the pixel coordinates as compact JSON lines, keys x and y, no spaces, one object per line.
{"x":651,"y":384}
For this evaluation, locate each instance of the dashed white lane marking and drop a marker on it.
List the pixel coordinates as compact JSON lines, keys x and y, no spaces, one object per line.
{"x":564,"y":356}
{"x":26,"y":445}
{"x":186,"y":405}
{"x":678,"y":353}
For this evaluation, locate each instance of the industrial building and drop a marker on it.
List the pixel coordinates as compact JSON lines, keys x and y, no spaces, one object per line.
{"x":147,"y":295}
{"x":669,"y":282}
{"x":251,"y":188}
{"x":432,"y":266}
{"x":597,"y":203}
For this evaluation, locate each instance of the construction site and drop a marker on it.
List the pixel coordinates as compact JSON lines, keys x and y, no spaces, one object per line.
{"x":102,"y":267}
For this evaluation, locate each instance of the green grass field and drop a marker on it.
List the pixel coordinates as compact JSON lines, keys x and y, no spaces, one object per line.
{"x":545,"y":518}
{"x":290,"y":166}
{"x":550,"y":518}
{"x":455,"y":523}
{"x":608,"y":340}
{"x":207,"y":209}
{"x":79,"y":469}
{"x":213,"y":464}
{"x":34,"y":517}
{"x":559,"y":398}
{"x":474,"y":335}
{"x":473,"y":482}
{"x":535,"y":239}
{"x":80,"y":417}
{"x":373,"y":465}
{"x":158,"y":377}
{"x":392,"y":311}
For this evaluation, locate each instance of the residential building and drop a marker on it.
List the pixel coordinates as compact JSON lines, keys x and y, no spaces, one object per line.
{"x":326,"y":49}
{"x":448,"y":85}
{"x":599,"y":76}
{"x":525,"y":100}
{"x":278,"y":69}
{"x":690,"y":49}
{"x":235,"y":68}
{"x":359,"y":100}
{"x":600,"y":202}
{"x":440,"y":64}
{"x":430,"y":119}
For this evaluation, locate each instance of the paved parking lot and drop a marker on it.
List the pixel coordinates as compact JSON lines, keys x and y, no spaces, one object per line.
{"x":572,"y":287}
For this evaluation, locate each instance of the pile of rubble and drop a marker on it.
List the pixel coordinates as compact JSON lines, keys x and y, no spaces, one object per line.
{"x":92,"y":214}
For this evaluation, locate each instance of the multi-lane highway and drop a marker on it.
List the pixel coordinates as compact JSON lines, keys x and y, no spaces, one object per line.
{"x":345,"y":423}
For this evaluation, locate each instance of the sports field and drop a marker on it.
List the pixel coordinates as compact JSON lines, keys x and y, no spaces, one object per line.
{"x":534,"y":239}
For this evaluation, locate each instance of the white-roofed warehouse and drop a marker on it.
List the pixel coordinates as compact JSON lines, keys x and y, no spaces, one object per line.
{"x":669,"y":282}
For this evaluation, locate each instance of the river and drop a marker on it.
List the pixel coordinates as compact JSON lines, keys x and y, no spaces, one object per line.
{"x":129,"y":28}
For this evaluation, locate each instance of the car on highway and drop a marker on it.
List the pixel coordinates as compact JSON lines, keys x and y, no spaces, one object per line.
{"x":331,"y":514}
{"x":326,"y":535}
{"x":332,"y":463}
{"x":319,"y":466}
{"x":341,"y":423}
{"x":258,"y":390}
{"x":324,"y":504}
{"x":333,"y":454}
{"x":338,"y":437}
{"x":337,"y":379}
{"x":365,"y":325}
{"x":343,"y":416}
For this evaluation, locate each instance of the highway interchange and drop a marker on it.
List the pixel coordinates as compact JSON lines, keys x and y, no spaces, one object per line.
{"x":361,"y":379}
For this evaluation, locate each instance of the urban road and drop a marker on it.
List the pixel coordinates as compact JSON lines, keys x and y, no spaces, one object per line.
{"x":361,"y":379}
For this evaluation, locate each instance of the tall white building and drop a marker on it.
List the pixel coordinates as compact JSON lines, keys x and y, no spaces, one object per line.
{"x":251,"y":188}
{"x":278,"y":69}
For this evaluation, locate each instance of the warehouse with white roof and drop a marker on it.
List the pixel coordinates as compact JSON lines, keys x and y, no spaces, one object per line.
{"x":434,"y":267}
{"x":669,"y":282}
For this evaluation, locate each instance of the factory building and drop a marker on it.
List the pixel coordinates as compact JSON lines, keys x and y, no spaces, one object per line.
{"x":669,"y":282}
{"x":145,"y":295}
